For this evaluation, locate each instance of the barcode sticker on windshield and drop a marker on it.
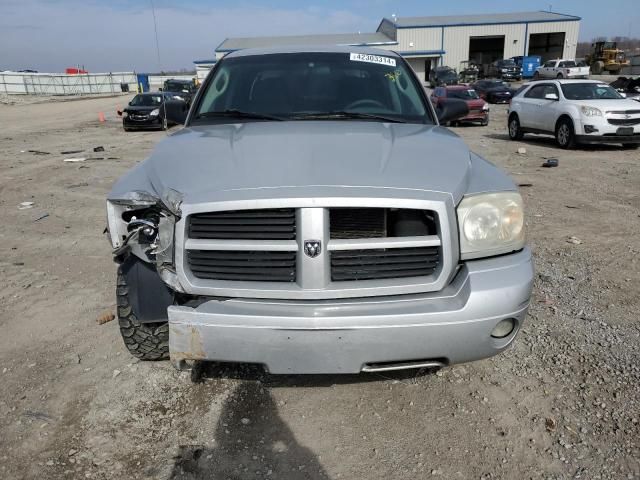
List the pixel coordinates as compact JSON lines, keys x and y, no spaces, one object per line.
{"x":364,"y":57}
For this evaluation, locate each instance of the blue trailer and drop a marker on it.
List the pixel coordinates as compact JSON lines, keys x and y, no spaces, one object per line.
{"x":528,"y":64}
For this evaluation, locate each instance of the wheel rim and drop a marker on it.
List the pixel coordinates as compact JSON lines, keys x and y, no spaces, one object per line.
{"x":513,"y":128}
{"x":563,"y":134}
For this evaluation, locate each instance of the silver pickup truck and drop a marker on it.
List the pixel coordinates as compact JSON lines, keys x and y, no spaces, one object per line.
{"x":561,"y":69}
{"x":313,"y":217}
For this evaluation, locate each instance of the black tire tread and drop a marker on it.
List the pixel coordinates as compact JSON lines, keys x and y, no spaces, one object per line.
{"x":146,"y":341}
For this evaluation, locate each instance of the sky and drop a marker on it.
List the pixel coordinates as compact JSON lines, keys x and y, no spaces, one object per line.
{"x":118,"y":35}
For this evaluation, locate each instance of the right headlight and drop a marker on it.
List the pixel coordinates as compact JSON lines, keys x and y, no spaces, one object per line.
{"x":490,"y":224}
{"x":590,"y":111}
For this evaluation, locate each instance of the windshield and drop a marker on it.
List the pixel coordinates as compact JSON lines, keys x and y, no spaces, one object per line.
{"x":463,"y":94}
{"x":146,"y":100}
{"x":177,"y":87}
{"x":300,"y":86}
{"x":508,"y":63}
{"x":589,"y":91}
{"x":496,"y":84}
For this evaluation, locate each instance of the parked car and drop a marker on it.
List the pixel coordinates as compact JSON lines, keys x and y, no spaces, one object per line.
{"x":504,"y":69}
{"x":149,"y":111}
{"x":313,"y":217}
{"x":182,"y":89}
{"x":575,"y":112}
{"x":561,"y":69}
{"x":478,"y":108}
{"x":493,"y":91}
{"x":442,"y":76}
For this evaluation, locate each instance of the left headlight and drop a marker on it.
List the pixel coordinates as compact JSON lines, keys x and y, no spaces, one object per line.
{"x":490,"y":224}
{"x":590,"y":111}
{"x":155,"y":113}
{"x":135,"y":211}
{"x":485,"y":107}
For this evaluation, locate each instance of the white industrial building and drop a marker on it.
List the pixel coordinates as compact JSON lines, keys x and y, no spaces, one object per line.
{"x":427,"y":42}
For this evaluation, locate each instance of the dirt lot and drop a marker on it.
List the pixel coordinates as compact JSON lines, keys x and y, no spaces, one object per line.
{"x":562,"y":403}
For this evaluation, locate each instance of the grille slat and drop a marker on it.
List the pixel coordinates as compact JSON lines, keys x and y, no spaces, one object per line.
{"x":624,"y":121}
{"x":350,"y":265}
{"x":256,"y":266}
{"x":269,"y":224}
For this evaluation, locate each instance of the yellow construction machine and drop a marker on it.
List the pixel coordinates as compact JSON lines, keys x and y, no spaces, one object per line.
{"x":605,"y":57}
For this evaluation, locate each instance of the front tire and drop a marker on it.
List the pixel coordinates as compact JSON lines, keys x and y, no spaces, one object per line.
{"x":630,"y":146}
{"x":565,"y":134}
{"x":515,"y":130}
{"x":146,"y":341}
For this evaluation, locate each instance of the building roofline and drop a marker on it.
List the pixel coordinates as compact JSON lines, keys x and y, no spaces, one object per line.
{"x":410,"y":53}
{"x":365,"y":44}
{"x":562,"y":18}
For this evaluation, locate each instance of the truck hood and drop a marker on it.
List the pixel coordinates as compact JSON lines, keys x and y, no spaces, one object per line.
{"x":205,"y":163}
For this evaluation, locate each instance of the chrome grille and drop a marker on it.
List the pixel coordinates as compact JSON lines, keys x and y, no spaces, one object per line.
{"x":365,"y":250}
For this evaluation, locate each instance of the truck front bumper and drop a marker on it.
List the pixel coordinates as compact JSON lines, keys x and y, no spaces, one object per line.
{"x":355,"y":335}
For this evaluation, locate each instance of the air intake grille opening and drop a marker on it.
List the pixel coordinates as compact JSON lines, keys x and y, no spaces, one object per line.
{"x":265,"y":224}
{"x":358,"y":222}
{"x":350,"y":223}
{"x":253,"y":266}
{"x":375,"y":264}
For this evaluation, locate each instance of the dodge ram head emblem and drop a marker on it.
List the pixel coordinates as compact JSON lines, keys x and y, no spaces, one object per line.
{"x":312,"y":248}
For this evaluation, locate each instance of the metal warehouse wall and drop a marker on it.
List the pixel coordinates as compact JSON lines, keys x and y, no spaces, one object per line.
{"x":456,"y":39}
{"x":571,"y":29}
{"x":422,"y":38}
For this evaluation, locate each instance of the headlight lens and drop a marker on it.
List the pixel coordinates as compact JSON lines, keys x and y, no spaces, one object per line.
{"x":590,"y":111}
{"x":490,"y":224}
{"x":485,"y":107}
{"x":155,"y":113}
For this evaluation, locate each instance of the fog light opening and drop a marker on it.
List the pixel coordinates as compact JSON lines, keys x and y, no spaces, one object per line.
{"x":504,"y":328}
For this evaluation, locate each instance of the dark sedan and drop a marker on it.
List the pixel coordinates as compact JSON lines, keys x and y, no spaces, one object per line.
{"x":493,"y":91}
{"x":153,"y":111}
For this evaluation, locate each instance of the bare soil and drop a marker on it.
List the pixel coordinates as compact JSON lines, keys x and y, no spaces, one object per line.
{"x":562,"y":403}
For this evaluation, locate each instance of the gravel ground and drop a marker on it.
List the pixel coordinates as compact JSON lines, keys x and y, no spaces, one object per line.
{"x":562,"y":403}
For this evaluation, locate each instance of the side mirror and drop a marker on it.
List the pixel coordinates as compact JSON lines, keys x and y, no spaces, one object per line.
{"x":551,"y":96}
{"x":623,"y":95}
{"x":119,"y":112}
{"x":451,"y":109}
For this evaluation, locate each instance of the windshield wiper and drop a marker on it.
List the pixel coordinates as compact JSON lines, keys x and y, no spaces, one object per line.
{"x":343,"y":114}
{"x":238,"y":114}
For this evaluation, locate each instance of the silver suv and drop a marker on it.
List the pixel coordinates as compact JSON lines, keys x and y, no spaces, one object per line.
{"x":313,"y":217}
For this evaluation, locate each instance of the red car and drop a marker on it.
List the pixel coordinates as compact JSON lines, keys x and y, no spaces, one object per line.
{"x":478,"y":108}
